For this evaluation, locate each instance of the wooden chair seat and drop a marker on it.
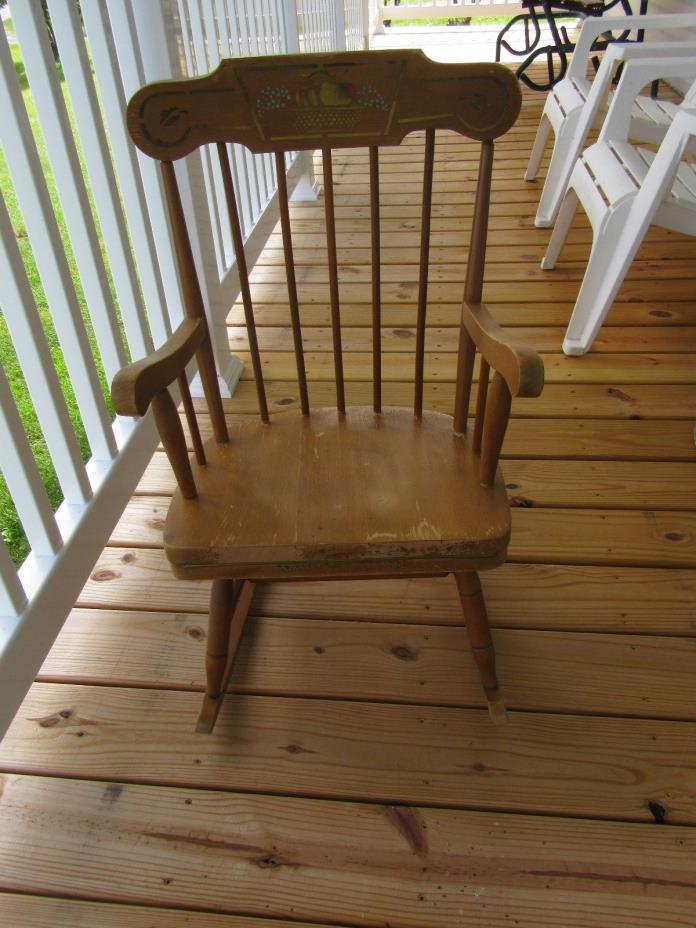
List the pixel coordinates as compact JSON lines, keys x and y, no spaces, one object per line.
{"x":357,"y":493}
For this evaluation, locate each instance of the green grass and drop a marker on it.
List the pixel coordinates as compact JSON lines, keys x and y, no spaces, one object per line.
{"x":444,"y":21}
{"x":10,"y":525}
{"x":460,"y":20}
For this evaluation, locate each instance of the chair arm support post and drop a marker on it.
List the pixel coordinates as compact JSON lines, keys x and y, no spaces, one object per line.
{"x":494,"y":428}
{"x":172,"y":435}
{"x":465,"y":371}
{"x":135,"y":386}
{"x":484,"y":372}
{"x":193,"y":301}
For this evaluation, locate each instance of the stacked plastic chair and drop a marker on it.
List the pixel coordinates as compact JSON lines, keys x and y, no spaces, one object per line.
{"x":576,"y":104}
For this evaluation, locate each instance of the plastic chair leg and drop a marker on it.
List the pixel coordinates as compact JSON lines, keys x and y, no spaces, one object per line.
{"x":565,"y":153}
{"x":613,"y":250}
{"x":538,"y":148}
{"x":560,"y":230}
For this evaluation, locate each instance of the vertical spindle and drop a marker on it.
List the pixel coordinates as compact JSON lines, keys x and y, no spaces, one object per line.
{"x":429,"y":160}
{"x":291,"y":280}
{"x":333,"y":277}
{"x":238,"y":243}
{"x":473,"y":286}
{"x":376,"y":282}
{"x":193,"y":301}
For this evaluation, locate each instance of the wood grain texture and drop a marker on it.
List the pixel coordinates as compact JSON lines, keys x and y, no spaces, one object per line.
{"x":613,"y":400}
{"x":655,"y":313}
{"x":53,"y":912}
{"x":402,"y":248}
{"x":345,"y":862}
{"x":559,"y":484}
{"x":356,"y":488}
{"x":578,"y":910}
{"x":453,"y":273}
{"x":636,"y":600}
{"x":441,"y":366}
{"x":586,"y":766}
{"x":616,"y":339}
{"x":597,"y":439}
{"x":564,"y":287}
{"x":539,"y":535}
{"x":641,"y":675}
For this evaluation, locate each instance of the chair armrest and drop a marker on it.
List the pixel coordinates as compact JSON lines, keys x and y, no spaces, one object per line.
{"x":643,"y":52}
{"x":663,"y":169}
{"x":635,"y":76}
{"x":519,"y":365}
{"x":594,"y":27}
{"x":134,"y":387}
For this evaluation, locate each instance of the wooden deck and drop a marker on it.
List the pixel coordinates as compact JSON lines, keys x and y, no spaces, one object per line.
{"x":354,"y":778}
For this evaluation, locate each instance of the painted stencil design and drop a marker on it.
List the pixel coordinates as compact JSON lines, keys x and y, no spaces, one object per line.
{"x":324,"y":104}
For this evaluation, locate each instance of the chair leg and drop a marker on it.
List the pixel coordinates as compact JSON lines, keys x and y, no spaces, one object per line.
{"x":229,"y":605}
{"x":538,"y":148}
{"x":222,"y":598}
{"x":476,"y":618}
{"x":566,"y":150}
{"x":613,"y":250}
{"x":560,"y":230}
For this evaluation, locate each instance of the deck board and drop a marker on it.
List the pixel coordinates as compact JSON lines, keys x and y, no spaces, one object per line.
{"x":354,"y":778}
{"x":558,"y":764}
{"x":548,"y":535}
{"x":551,"y":671}
{"x":627,"y":599}
{"x":348,"y":863}
{"x":612,"y":484}
{"x":584,"y":910}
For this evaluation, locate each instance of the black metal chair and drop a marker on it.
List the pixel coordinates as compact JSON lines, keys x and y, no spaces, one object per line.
{"x":538,"y":12}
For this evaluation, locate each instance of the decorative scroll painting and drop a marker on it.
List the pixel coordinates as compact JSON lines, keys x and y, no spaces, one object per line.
{"x":312,"y":101}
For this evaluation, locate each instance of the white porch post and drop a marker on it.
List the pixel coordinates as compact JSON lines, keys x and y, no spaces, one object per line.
{"x":292,"y":35}
{"x":339,"y":25}
{"x":366,"y":23}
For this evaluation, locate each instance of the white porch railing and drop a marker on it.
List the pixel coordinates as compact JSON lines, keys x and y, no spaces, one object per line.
{"x":111,"y":203}
{"x":337,"y":25}
{"x":449,"y":9}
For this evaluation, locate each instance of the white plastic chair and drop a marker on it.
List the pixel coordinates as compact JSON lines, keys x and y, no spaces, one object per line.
{"x":575,"y":105}
{"x":624,"y":189}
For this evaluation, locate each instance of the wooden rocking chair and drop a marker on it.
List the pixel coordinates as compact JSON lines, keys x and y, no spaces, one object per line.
{"x":343,"y":492}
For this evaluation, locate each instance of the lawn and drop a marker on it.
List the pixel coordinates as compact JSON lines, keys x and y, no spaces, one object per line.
{"x":452,"y":20}
{"x":10,"y":524}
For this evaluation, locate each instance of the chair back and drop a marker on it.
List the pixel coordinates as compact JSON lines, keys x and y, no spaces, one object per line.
{"x":323,"y":102}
